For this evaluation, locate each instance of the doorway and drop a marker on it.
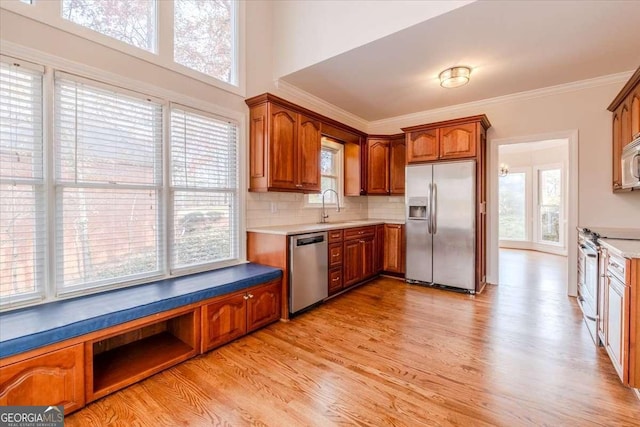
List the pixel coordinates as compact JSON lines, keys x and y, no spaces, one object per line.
{"x":533,"y":201}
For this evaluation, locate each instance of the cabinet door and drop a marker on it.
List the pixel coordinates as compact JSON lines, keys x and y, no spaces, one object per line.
{"x":368,"y":256}
{"x":223,"y":321}
{"x":282,"y":148}
{"x":625,"y":119}
{"x":602,"y":296}
{"x":380,"y":242}
{"x":422,"y":146}
{"x":55,"y":378}
{"x":393,"y":240}
{"x":617,"y":332}
{"x":308,"y":157}
{"x":397,"y":164}
{"x":263,"y":305}
{"x":378,"y":166}
{"x":458,"y":141}
{"x":352,"y":262}
{"x":635,"y":113}
{"x":617,"y":150}
{"x":335,"y":254}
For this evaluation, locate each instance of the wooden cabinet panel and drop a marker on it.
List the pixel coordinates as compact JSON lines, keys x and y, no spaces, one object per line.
{"x":422,"y":146}
{"x":223,"y":321}
{"x":378,"y":166}
{"x":352,"y":262}
{"x":282,"y":149}
{"x":625,"y":125}
{"x":602,"y":295}
{"x":617,"y":336}
{"x":458,"y":141}
{"x":335,"y":254}
{"x":335,"y":280}
{"x":55,"y":378}
{"x":354,"y":170}
{"x":263,"y":305}
{"x":380,"y":242}
{"x":394,"y":248}
{"x":308,"y":154}
{"x":258,"y":147}
{"x":358,"y":232}
{"x":397,"y":164}
{"x":635,"y":114}
{"x":617,"y":151}
{"x":368,"y":256}
{"x":335,"y":236}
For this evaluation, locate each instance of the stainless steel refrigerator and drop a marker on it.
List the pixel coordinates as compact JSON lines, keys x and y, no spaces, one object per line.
{"x":441,"y":224}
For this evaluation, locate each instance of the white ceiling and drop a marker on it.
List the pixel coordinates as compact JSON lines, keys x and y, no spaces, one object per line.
{"x":511,"y":46}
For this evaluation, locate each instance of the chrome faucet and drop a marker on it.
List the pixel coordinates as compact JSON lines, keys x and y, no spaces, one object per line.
{"x":324,"y":214}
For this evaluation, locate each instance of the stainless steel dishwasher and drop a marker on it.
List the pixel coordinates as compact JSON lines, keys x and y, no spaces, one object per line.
{"x":308,"y":270}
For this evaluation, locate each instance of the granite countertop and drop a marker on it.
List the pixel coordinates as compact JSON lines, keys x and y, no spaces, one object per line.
{"x":626,"y":248}
{"x":288,"y":230}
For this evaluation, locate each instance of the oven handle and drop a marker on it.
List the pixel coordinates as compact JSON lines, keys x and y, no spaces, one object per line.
{"x":580,"y":299}
{"x":586,"y":250}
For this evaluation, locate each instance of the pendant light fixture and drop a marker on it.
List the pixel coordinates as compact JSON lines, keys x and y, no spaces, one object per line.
{"x":455,"y":77}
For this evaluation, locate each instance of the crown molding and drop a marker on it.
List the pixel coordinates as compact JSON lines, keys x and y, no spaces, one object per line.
{"x":313,"y":101}
{"x":426,"y":115}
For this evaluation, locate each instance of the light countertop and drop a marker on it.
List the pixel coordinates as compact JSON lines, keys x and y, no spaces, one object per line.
{"x":615,"y":233}
{"x":626,"y":248}
{"x":312,"y":228}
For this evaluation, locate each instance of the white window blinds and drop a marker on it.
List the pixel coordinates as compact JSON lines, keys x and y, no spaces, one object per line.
{"x":108,"y":163}
{"x":22,"y":190}
{"x":203,"y":188}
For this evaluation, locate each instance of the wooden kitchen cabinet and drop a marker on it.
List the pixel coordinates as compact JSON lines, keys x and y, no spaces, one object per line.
{"x":625,"y":124}
{"x":617,"y":336}
{"x":53,"y":378}
{"x":359,"y":251}
{"x":285,"y":145}
{"x":394,"y":248}
{"x":386,"y":158}
{"x":452,"y":139}
{"x":380,"y":248}
{"x":227,"y":318}
{"x":602,"y":295}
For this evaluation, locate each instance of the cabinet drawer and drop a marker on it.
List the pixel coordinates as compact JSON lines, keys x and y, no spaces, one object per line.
{"x":335,"y":236}
{"x":354,"y":233}
{"x":616,"y":266}
{"x":335,"y":254}
{"x":335,"y":280}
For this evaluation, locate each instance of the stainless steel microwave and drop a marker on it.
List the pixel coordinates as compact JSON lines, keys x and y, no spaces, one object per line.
{"x":631,"y":165}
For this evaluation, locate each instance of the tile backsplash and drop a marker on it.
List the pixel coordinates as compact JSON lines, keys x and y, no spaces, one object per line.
{"x":267,"y":209}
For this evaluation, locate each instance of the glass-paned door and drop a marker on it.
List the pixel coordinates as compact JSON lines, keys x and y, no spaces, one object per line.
{"x":513,"y":206}
{"x":550,"y":201}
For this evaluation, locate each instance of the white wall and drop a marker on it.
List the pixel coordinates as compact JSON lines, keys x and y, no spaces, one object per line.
{"x":308,"y":32}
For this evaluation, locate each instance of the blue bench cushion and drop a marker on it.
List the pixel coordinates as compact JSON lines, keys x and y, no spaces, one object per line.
{"x":38,"y":326}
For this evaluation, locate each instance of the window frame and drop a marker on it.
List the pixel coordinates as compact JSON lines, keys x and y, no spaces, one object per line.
{"x":338,"y":148}
{"x":50,"y":13}
{"x":536,"y":217}
{"x":51,"y":65}
{"x":528,"y":209}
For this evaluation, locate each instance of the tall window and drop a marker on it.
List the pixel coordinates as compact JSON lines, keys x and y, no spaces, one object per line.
{"x":130,"y":21}
{"x":22,"y":189}
{"x":203,"y":37}
{"x":204,"y":189}
{"x":550,"y":205}
{"x":513,"y":206}
{"x":125,"y":189}
{"x":108,"y":185}
{"x":330,"y":173}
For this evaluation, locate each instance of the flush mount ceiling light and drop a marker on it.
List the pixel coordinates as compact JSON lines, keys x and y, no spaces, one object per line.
{"x":455,"y":77}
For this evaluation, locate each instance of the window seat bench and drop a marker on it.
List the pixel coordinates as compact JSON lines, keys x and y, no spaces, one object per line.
{"x":77,"y":346}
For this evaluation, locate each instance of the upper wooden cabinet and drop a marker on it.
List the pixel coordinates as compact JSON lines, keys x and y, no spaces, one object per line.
{"x":625,"y":124}
{"x":386,"y":159}
{"x":285,"y":144}
{"x":453,"y":139}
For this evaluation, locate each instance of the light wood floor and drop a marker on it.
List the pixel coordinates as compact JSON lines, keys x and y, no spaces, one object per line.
{"x":388,"y":353}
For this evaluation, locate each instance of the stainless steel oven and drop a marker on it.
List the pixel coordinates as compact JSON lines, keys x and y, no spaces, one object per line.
{"x":588,"y":254}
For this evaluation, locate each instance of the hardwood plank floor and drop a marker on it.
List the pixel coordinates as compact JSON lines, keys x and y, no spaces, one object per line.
{"x":389,"y":353}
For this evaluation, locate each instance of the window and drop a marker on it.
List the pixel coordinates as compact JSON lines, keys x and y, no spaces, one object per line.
{"x":549,"y":205}
{"x":330,"y":173}
{"x":204,"y":189}
{"x":22,"y":189}
{"x":124,"y":189}
{"x":203,"y":37}
{"x":513,"y":206}
{"x":108,"y":185}
{"x":130,"y":21}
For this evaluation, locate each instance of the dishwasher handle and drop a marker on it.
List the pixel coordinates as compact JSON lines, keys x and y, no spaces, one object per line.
{"x":309,"y":240}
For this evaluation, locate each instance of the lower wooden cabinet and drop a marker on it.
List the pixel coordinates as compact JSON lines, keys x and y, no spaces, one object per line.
{"x":233,"y":316}
{"x":335,"y":280}
{"x":54,"y":378}
{"x":394,"y":248}
{"x":616,"y":338}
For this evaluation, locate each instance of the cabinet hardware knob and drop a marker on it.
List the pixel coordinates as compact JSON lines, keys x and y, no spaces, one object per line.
{"x":246,"y":297}
{"x":360,"y":232}
{"x":335,"y":280}
{"x":298,"y":185}
{"x":250,"y":295}
{"x":335,"y":255}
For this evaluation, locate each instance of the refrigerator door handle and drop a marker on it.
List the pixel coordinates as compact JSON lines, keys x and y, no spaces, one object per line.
{"x":434,"y":204}
{"x":430,"y":205}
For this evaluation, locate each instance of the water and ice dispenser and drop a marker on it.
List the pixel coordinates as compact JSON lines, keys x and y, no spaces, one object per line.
{"x":417,"y":207}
